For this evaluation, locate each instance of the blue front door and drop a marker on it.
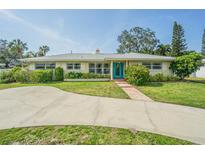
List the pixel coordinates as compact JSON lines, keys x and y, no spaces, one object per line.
{"x":118,"y":70}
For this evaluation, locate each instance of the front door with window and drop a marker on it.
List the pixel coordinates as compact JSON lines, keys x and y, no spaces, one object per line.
{"x":118,"y":70}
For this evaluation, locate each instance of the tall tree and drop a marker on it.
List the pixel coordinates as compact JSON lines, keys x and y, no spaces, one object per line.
{"x":178,"y":40}
{"x":43,"y":50}
{"x":17,"y":47}
{"x":4,"y":54}
{"x":203,"y":44}
{"x":29,"y":54}
{"x":138,"y":40}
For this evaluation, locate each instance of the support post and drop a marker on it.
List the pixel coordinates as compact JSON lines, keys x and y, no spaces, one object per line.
{"x":111,"y":70}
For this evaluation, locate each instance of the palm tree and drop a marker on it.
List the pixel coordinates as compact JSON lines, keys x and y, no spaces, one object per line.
{"x":163,"y":50}
{"x":43,"y":50}
{"x":18,"y":47}
{"x":29,"y":54}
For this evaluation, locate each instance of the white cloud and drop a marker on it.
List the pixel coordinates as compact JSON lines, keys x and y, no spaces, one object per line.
{"x":50,"y":35}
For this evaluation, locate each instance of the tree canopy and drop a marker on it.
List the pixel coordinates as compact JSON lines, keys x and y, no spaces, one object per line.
{"x":43,"y":50}
{"x":137,"y":39}
{"x":185,"y":65}
{"x":11,"y":52}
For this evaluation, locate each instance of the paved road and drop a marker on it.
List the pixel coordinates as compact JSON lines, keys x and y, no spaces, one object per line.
{"x":35,"y":106}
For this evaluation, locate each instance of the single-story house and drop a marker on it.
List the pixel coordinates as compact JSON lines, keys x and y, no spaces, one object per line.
{"x":101,"y":63}
{"x":201,"y":72}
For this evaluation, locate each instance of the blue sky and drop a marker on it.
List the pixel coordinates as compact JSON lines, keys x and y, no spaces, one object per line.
{"x":86,"y":30}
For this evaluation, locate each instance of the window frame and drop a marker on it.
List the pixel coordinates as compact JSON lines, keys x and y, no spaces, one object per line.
{"x":42,"y":68}
{"x":73,"y":66}
{"x":157,"y":65}
{"x":153,"y":65}
{"x":46,"y":65}
{"x":99,"y":67}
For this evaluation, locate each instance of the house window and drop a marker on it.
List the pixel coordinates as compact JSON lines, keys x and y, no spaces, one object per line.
{"x":148,"y":65}
{"x":69,"y":66}
{"x":40,"y":66}
{"x":153,"y":66}
{"x":91,"y":68}
{"x":51,"y":66}
{"x":106,"y":68}
{"x":99,"y":68}
{"x":156,"y":66}
{"x":73,"y":66}
{"x":77,"y":66}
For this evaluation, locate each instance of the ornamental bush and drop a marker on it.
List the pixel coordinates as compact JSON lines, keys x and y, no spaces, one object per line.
{"x":159,"y":77}
{"x":6,"y":77}
{"x":22,"y":76}
{"x":137,"y":74}
{"x":78,"y":75}
{"x":185,"y":65}
{"x":42,"y":76}
{"x":73,"y":75}
{"x":59,"y":74}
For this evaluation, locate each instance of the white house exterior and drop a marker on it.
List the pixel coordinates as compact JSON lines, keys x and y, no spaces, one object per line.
{"x":99,"y":63}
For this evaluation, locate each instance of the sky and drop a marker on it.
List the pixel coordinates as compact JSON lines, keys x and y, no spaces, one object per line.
{"x":83,"y":31}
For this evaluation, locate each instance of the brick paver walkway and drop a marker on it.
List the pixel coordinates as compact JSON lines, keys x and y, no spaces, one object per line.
{"x":132,"y":92}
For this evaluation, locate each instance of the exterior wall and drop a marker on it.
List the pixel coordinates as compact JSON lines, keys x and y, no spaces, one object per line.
{"x":165,"y":68}
{"x":85,"y":67}
{"x":31,"y":66}
{"x":200,"y":73}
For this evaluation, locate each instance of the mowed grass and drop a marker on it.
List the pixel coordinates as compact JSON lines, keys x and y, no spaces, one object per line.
{"x":182,"y":93}
{"x":105,"y":89}
{"x":82,"y":135}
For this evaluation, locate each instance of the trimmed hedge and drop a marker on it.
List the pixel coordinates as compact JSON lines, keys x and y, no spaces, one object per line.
{"x":159,"y":77}
{"x":6,"y":77}
{"x":39,"y":76}
{"x":79,"y":75}
{"x":59,"y":74}
{"x":74,"y":75}
{"x":22,"y":76}
{"x":17,"y":74}
{"x":137,"y":74}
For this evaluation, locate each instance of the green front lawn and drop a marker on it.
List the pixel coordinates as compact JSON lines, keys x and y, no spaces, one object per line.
{"x":82,"y":135}
{"x":106,"y":89}
{"x":182,"y":93}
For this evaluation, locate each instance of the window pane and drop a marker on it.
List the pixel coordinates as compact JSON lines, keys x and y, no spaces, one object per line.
{"x":40,"y":66}
{"x":99,"y":71}
{"x":98,"y":65}
{"x":106,"y":71}
{"x":91,"y":70}
{"x":91,"y":65}
{"x":50,"y":66}
{"x":69,"y":66}
{"x":148,"y":65}
{"x":106,"y":66}
{"x":157,"y":66}
{"x":77,"y":66}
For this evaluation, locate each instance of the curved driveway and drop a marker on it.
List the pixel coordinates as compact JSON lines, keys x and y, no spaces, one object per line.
{"x":35,"y":106}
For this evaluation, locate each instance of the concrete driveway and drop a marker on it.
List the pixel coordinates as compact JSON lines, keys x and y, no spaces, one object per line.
{"x":35,"y":106}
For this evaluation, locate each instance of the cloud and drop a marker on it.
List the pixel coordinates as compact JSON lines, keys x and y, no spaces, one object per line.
{"x":51,"y":35}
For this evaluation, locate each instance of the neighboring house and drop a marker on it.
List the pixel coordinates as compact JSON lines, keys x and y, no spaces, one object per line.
{"x":201,"y":72}
{"x":101,"y":63}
